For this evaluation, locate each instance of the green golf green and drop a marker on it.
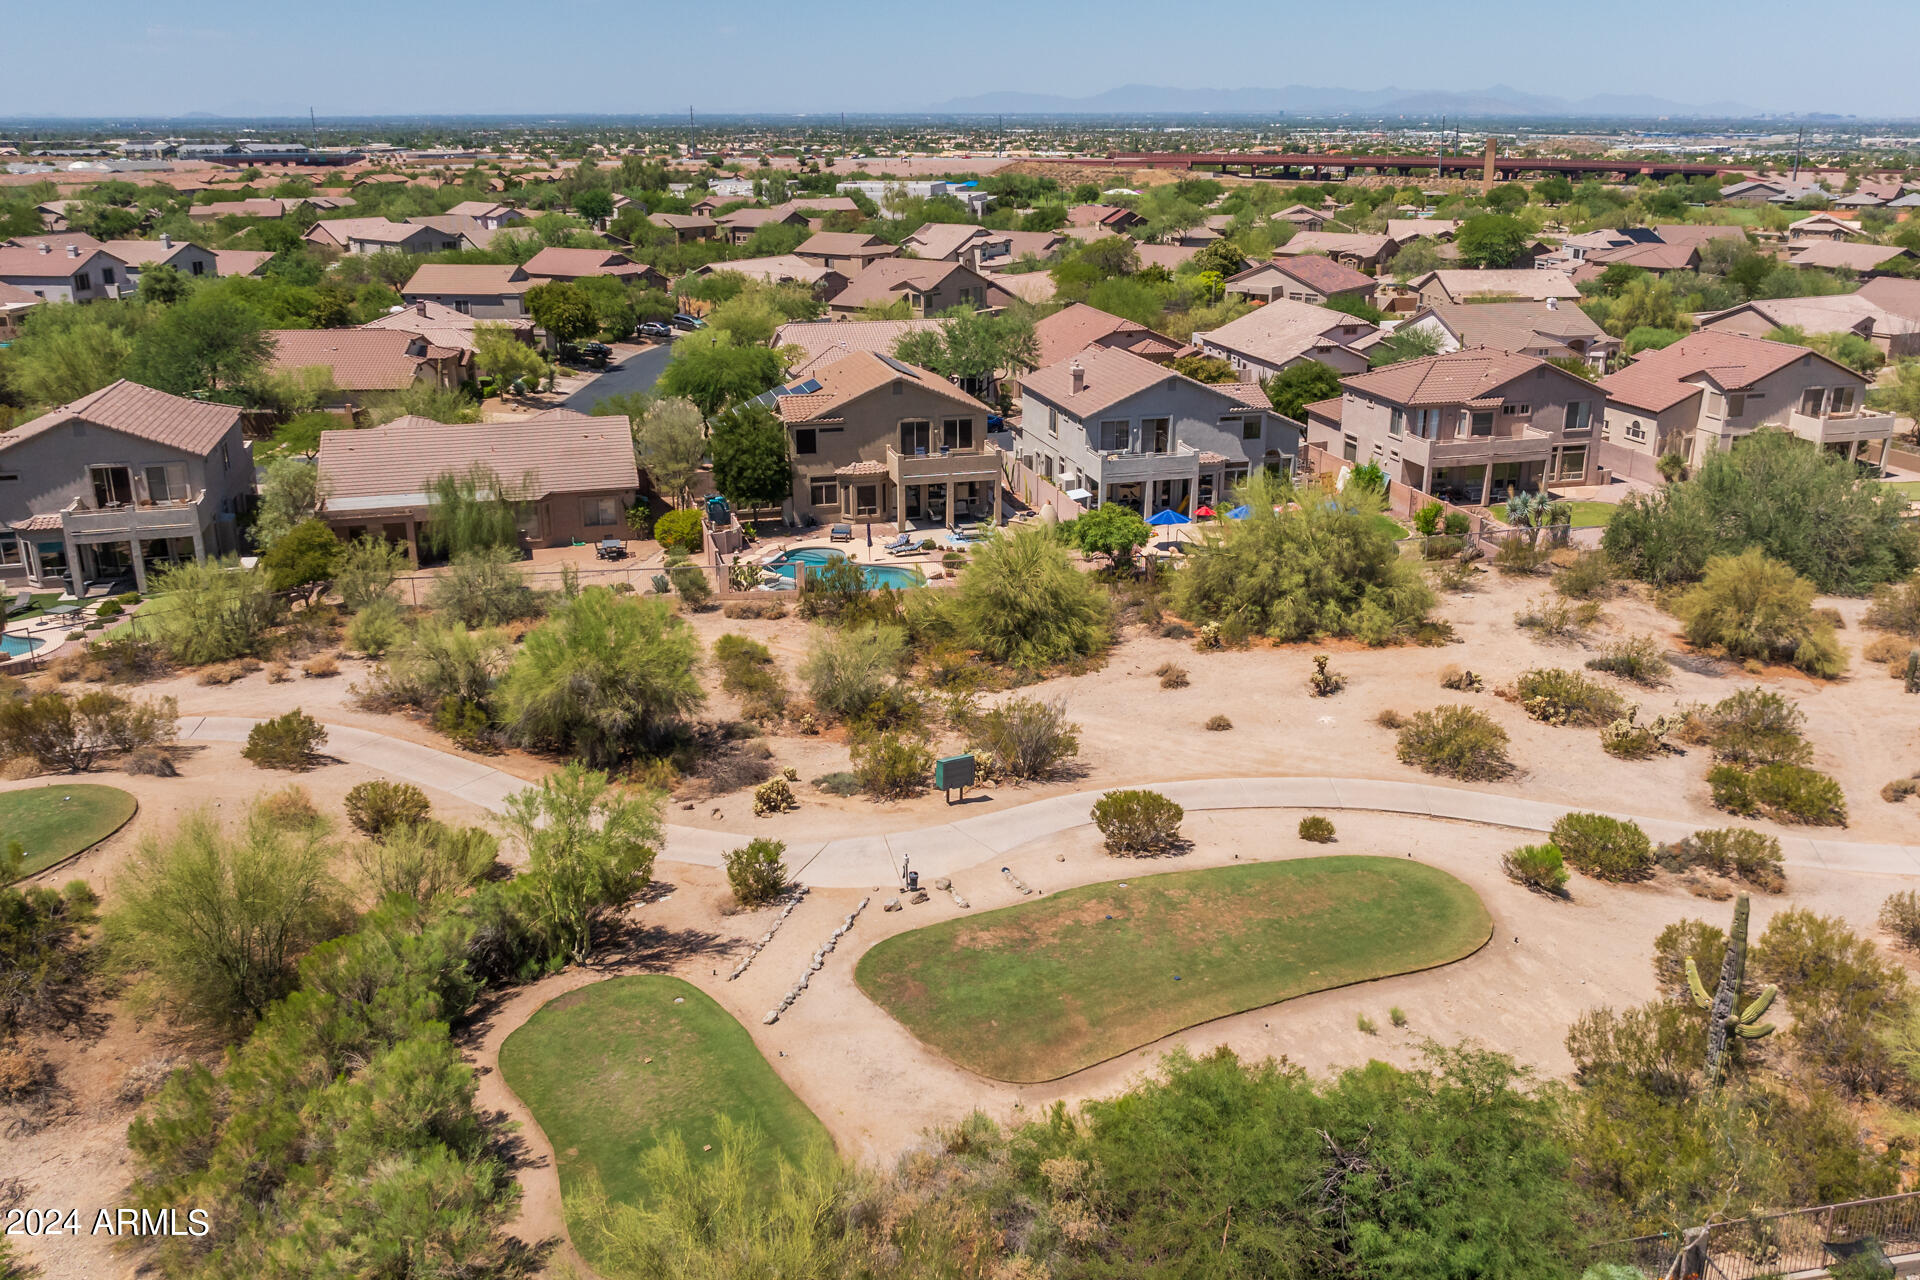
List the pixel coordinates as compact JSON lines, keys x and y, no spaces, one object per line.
{"x":1039,"y":990}
{"x":581,"y":1064}
{"x":1586,"y":515}
{"x":54,"y":823}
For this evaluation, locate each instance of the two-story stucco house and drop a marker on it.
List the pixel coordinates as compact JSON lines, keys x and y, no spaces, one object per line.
{"x":1284,"y":333}
{"x":875,"y":439}
{"x":1113,"y":427}
{"x":928,"y":288}
{"x":1711,"y":388}
{"x":484,"y":291}
{"x":847,"y":252}
{"x":1466,"y":426}
{"x":117,"y":482}
{"x":71,"y":272}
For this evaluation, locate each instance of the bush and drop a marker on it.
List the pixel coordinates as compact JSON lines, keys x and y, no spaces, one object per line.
{"x":1738,"y":852}
{"x":606,"y":676}
{"x":892,"y":766}
{"x":290,"y":741}
{"x":378,"y":807}
{"x":420,"y":861}
{"x":1025,"y":738}
{"x":1218,"y":724}
{"x":747,"y":671}
{"x":1323,"y":682}
{"x":690,"y":580}
{"x":1628,"y":739}
{"x":1316,"y":829}
{"x":754,"y":609}
{"x":1540,"y":867}
{"x":1603,"y":847}
{"x":1558,"y":620}
{"x":679,"y":531}
{"x":73,"y":733}
{"x":1896,"y":608}
{"x":109,"y":609}
{"x":1521,"y":554}
{"x":756,"y":872}
{"x":484,"y":588}
{"x":1900,"y":916}
{"x":1427,"y":519}
{"x":320,"y":666}
{"x":1295,"y":570}
{"x":1134,"y":822}
{"x":1752,"y":727}
{"x":1748,"y":606}
{"x":1457,"y":524}
{"x":1020,"y":602}
{"x":376,"y":628}
{"x":1783,"y":792}
{"x":775,"y":795}
{"x":1640,"y":659}
{"x":438,"y":661}
{"x":841,"y":783}
{"x":150,"y":762}
{"x":1589,"y":575}
{"x":368,"y":568}
{"x":1172,"y":675}
{"x":849,"y":671}
{"x":213,"y":611}
{"x":1455,"y":742}
{"x":1555,"y":696}
{"x":1459,"y":680}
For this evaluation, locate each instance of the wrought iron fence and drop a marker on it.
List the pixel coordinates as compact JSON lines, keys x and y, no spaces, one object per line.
{"x":1777,"y":1244}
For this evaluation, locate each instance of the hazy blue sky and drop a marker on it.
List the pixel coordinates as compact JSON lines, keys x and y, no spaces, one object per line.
{"x":643,"y":56}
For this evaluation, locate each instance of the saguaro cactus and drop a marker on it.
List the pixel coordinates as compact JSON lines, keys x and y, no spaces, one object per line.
{"x":1722,"y":1020}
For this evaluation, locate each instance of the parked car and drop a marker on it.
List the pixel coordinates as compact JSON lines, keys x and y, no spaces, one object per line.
{"x":591,"y":353}
{"x":684,"y":321}
{"x":656,"y":330}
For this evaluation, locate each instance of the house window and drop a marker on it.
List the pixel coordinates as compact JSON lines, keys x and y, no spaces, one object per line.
{"x":1053,"y":422}
{"x":1811,"y":401}
{"x":112,"y":486}
{"x":1482,"y":424}
{"x":1515,"y":410}
{"x":956,"y":433}
{"x":82,"y":281}
{"x":1840,"y":403}
{"x":106,"y":275}
{"x":1113,"y":437}
{"x":197,"y":268}
{"x":1156,"y":434}
{"x":1573,"y":464}
{"x":1579,"y":415}
{"x":806,"y":441}
{"x":463,"y":306}
{"x":599,"y":513}
{"x":1250,"y":428}
{"x":1350,"y":449}
{"x":1396,"y":422}
{"x":916,"y":436}
{"x":823,"y":491}
{"x":1736,"y":404}
{"x":1635,"y":431}
{"x":9,"y":550}
{"x":866,"y":499}
{"x":226,"y":458}
{"x":167,"y":482}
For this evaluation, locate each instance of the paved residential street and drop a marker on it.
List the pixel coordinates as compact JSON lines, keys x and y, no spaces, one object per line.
{"x":637,"y":372}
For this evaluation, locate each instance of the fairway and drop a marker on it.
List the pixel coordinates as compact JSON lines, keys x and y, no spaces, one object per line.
{"x":54,"y":823}
{"x":1040,"y":990}
{"x":580,"y":1064}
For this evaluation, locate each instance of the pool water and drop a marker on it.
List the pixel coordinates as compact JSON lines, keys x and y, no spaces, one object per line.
{"x":17,"y":646}
{"x":878,"y":575}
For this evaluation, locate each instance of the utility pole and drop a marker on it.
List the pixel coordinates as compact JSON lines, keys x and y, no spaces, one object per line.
{"x":313,"y":127}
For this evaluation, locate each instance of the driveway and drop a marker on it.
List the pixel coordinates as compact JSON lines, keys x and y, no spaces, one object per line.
{"x":636,"y":372}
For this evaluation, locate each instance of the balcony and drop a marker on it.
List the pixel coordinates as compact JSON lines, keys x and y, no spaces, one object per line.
{"x":1120,"y":466}
{"x":1841,"y":428}
{"x":1506,"y":444}
{"x":942,"y":465}
{"x":181,"y":519}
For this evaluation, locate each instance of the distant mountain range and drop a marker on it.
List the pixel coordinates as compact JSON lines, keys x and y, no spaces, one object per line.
{"x":1499,"y":100}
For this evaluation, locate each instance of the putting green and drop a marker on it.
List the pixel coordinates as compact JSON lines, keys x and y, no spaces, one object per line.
{"x":1039,"y":990}
{"x":54,"y":823}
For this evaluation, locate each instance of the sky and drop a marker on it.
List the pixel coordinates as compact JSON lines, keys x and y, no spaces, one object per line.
{"x":377,"y":57}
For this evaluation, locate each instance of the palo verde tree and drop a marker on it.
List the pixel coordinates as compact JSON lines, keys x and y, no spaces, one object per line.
{"x":474,"y":510}
{"x":1721,"y":1003}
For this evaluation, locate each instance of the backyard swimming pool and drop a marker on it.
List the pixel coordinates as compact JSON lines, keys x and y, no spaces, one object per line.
{"x":878,"y":575}
{"x":16,"y":646}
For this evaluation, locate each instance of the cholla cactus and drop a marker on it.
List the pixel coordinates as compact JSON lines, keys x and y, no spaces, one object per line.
{"x":773,"y":796}
{"x":1631,"y":740}
{"x":1209,"y":636}
{"x":1322,"y":682}
{"x":1913,"y":671}
{"x":1722,"y":1021}
{"x":742,"y":576}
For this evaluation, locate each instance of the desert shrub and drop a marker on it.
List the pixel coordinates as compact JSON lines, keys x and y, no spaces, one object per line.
{"x":1900,"y":916}
{"x":1896,"y":608}
{"x":1562,"y":697}
{"x":320,"y":666}
{"x":841,"y":783}
{"x":421,"y":861}
{"x":1563,"y":621}
{"x":1752,"y":727}
{"x":1020,"y":602}
{"x":213,"y":611}
{"x":150,"y":762}
{"x":850,"y":670}
{"x":1587,"y":576}
{"x":1218,"y":724}
{"x":1521,"y":555}
{"x":123,"y":658}
{"x":377,"y":807}
{"x":690,"y":581}
{"x":376,"y":628}
{"x":109,"y":609}
{"x":748,"y":671}
{"x":48,"y":966}
{"x":1628,"y":739}
{"x":1776,"y":494}
{"x":1455,"y":742}
{"x":1172,"y":675}
{"x":1025,"y":738}
{"x":1316,"y":829}
{"x":1640,"y":659}
{"x":279,"y":672}
{"x":438,"y":661}
{"x":1459,"y":680}
{"x":1365,"y":1025}
{"x":839,"y":591}
{"x":1427,"y":518}
{"x":1841,"y":989}
{"x":74,"y":733}
{"x":484,"y":588}
{"x":1295,"y":570}
{"x":754,"y":609}
{"x":368,"y":569}
{"x":1886,"y":650}
{"x":1748,"y":606}
{"x":775,"y":795}
{"x":1322,"y":682}
{"x":1390,"y":719}
{"x":1738,"y":852}
{"x":892,"y":766}
{"x":679,"y":531}
{"x":1603,"y":847}
{"x":1441,"y":548}
{"x":603,"y":678}
{"x":217,"y":674}
{"x":1783,"y":792}
{"x":1138,"y":821}
{"x":1175,"y":631}
{"x":290,"y":741}
{"x":1540,"y":867}
{"x":756,"y":872}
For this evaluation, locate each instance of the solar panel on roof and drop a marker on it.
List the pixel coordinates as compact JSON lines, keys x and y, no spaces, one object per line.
{"x":897,"y":367}
{"x":806,"y":388}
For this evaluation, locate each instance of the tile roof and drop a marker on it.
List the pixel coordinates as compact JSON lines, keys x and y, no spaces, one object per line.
{"x":467,"y":278}
{"x":1658,"y":380}
{"x":131,"y":409}
{"x":1457,"y":377}
{"x":361,"y":359}
{"x":817,"y":204}
{"x":1658,"y":256}
{"x":442,"y":325}
{"x":1110,"y":375}
{"x":31,"y":264}
{"x":1697,"y":234}
{"x":946,"y":239}
{"x":1365,"y":246}
{"x":844,"y":244}
{"x":1250,"y":394}
{"x":58,"y":241}
{"x":1036,"y":287}
{"x":1284,"y":331}
{"x":580,"y":262}
{"x":566,"y":452}
{"x":1170,"y":256}
{"x":1079,"y":326}
{"x":1824,"y":222}
{"x":1902,"y":297}
{"x":259,"y":208}
{"x":479,"y":209}
{"x":1518,"y":282}
{"x":14,"y":296}
{"x":1095,"y":215}
{"x":854,"y":375}
{"x":1834,"y":254}
{"x":240,"y":262}
{"x":1830,"y":313}
{"x":1401,"y":230}
{"x":1299,"y":213}
{"x":1329,"y":408}
{"x":682,"y":221}
{"x":144,"y":253}
{"x":772,"y":270}
{"x":377,"y":230}
{"x":825,"y":341}
{"x":1323,"y":275}
{"x":884,"y":280}
{"x":476,"y":233}
{"x":1516,"y":326}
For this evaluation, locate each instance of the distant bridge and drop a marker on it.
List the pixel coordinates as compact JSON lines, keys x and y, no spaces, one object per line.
{"x":1312,"y":167}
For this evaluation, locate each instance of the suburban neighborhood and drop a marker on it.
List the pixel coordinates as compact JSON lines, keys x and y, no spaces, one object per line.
{"x":1052,"y":683}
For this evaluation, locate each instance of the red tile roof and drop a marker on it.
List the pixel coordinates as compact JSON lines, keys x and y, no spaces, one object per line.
{"x":361,"y":359}
{"x":855,"y":375}
{"x":1456,"y":377}
{"x":131,"y":409}
{"x":565,"y":452}
{"x":1323,"y":275}
{"x":1658,"y":380}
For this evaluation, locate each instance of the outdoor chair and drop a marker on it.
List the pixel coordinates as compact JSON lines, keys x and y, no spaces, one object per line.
{"x":840,"y":533}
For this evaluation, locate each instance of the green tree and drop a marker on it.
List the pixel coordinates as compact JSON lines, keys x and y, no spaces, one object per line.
{"x":368,"y":568}
{"x":67,"y":350}
{"x":596,"y":206}
{"x":212,"y":611}
{"x":1020,"y":602}
{"x":1298,"y":385}
{"x":972,"y":346}
{"x":290,"y":493}
{"x":498,"y":353}
{"x":1646,"y":302}
{"x":1900,"y":394}
{"x":563,"y":309}
{"x":308,"y":556}
{"x":475,"y":510}
{"x":1417,"y":257}
{"x":670,"y":443}
{"x":162,"y":284}
{"x":1492,"y":240}
{"x":750,"y":463}
{"x":210,"y":341}
{"x":590,"y":848}
{"x":1114,"y":530}
{"x":1204,"y":368}
{"x":604,"y":677}
{"x":708,"y":369}
{"x":1404,"y":344}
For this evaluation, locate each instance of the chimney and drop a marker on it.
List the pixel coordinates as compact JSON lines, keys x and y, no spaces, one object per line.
{"x":166,"y":240}
{"x":1553,"y":304}
{"x":73,"y":250}
{"x":45,"y":247}
{"x":1079,"y":376}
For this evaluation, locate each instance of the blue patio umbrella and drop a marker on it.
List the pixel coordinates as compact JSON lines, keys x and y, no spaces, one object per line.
{"x":1168,"y":516}
{"x":1240,"y":512}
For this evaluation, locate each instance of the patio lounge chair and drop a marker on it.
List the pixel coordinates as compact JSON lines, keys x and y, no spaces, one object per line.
{"x":840,"y":533}
{"x":20,"y":604}
{"x":900,"y":543}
